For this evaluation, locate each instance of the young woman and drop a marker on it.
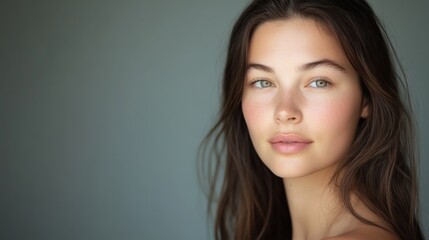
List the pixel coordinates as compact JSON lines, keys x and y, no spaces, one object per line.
{"x":313,"y":140}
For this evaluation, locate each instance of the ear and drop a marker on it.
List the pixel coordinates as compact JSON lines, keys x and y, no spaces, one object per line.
{"x":364,"y":109}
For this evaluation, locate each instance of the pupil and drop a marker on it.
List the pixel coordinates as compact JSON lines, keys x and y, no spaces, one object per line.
{"x":321,"y":83}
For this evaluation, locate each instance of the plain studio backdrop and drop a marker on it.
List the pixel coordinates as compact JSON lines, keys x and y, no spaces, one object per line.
{"x":104,"y":103}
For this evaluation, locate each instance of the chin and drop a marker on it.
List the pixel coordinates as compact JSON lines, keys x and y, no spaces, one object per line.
{"x":290,"y":173}
{"x":291,"y":170}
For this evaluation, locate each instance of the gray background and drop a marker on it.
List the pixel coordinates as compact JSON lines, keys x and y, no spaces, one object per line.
{"x":103,"y":105}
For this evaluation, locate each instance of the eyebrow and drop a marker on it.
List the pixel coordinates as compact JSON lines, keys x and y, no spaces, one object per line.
{"x":304,"y":67}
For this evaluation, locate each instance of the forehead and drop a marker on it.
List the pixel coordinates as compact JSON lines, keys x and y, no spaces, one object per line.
{"x":294,"y":41}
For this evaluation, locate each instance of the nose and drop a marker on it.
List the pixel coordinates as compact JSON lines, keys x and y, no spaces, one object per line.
{"x":288,"y":109}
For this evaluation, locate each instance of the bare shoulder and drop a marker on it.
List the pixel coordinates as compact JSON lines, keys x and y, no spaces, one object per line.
{"x":366,"y":233}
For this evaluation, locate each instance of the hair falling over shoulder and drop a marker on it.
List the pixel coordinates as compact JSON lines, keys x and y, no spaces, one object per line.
{"x":248,"y":199}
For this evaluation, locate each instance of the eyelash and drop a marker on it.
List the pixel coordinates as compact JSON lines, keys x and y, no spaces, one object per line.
{"x":253,"y":83}
{"x":328,"y":83}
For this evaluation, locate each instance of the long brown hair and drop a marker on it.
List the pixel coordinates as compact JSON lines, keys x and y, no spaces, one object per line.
{"x":381,"y":165}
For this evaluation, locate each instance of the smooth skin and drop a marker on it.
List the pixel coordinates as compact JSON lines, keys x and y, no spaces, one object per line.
{"x":300,"y":84}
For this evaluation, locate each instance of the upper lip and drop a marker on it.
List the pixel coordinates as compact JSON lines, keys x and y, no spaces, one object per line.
{"x":289,"y":138}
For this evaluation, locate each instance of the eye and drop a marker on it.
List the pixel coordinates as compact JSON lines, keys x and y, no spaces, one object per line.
{"x":319,"y":83}
{"x":262,"y":83}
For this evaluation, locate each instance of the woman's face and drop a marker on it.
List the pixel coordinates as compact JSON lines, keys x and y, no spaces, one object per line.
{"x":302,"y":100}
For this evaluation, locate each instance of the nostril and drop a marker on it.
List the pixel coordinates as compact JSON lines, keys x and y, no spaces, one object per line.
{"x":288,"y":115}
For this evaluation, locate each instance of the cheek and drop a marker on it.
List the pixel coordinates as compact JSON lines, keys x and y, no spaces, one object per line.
{"x":252,"y":112}
{"x":335,"y":118}
{"x":256,"y":114}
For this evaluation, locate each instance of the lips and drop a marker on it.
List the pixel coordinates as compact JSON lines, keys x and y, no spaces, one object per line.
{"x":289,"y":143}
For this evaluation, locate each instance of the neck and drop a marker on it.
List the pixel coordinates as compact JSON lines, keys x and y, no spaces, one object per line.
{"x":314,"y":206}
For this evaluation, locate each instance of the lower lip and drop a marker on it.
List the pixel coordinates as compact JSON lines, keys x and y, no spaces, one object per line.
{"x":289,"y":148}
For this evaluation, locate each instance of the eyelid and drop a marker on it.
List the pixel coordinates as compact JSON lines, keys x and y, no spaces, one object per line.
{"x":315,"y":79}
{"x":259,"y":79}
{"x":328,"y":81}
{"x":254,"y":81}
